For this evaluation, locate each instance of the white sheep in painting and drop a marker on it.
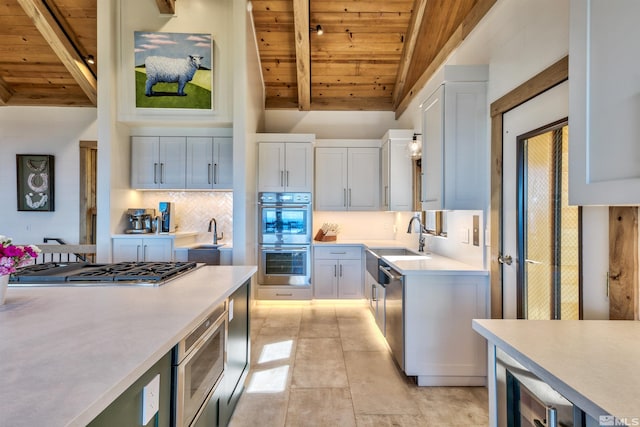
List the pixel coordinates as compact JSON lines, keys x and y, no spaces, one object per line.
{"x":170,"y":70}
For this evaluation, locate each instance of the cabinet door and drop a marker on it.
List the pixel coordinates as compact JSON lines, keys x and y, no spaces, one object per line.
{"x":604,"y":92}
{"x":325,"y":278}
{"x":145,"y":164}
{"x":126,"y":249}
{"x":363,"y":192}
{"x":173,"y":162}
{"x":432,"y":151}
{"x":350,"y":278}
{"x":400,"y":177}
{"x":199,"y":162}
{"x":158,"y":250}
{"x":223,"y":163}
{"x":237,"y":350}
{"x":299,"y":167}
{"x":465,"y":146}
{"x":331,"y":179}
{"x":271,"y":166}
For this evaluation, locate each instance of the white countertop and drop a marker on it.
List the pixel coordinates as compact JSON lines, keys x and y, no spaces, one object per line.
{"x":431,"y":264}
{"x":67,"y":352}
{"x":595,"y":364}
{"x":175,"y":235}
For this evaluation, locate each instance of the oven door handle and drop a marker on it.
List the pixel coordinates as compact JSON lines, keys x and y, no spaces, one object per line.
{"x":300,"y":249}
{"x":204,"y":338}
{"x":387,"y":272}
{"x":270,"y":206}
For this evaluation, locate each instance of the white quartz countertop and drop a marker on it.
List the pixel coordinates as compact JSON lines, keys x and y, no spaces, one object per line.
{"x":175,"y":235}
{"x":595,"y":364}
{"x":67,"y":352}
{"x":429,"y":264}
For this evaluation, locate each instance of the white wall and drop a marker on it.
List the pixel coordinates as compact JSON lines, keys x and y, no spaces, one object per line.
{"x":42,"y":130}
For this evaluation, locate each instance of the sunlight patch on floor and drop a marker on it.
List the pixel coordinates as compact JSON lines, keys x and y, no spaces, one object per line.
{"x":276,"y":351}
{"x":269,"y":380}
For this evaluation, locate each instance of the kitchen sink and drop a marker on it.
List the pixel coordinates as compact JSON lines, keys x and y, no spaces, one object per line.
{"x":380,"y":252}
{"x":207,"y":253}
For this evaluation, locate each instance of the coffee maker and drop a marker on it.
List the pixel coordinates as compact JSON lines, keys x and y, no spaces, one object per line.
{"x":167,"y":217}
{"x":140,"y":221}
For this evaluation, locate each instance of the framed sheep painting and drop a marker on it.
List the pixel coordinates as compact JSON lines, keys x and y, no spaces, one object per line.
{"x":173,"y":70}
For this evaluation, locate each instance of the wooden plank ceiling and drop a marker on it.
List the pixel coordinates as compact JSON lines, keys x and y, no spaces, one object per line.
{"x":373,"y":54}
{"x":44,"y":45}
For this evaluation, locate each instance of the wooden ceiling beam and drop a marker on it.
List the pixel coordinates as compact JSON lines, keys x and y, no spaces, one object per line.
{"x":167,"y":7}
{"x":409,"y":48}
{"x":303,"y":60}
{"x":472,"y":19}
{"x":5,"y":92}
{"x":61,"y":44}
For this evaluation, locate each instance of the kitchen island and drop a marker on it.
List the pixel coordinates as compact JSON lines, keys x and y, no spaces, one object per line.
{"x":592,"y":363}
{"x":69,"y":352}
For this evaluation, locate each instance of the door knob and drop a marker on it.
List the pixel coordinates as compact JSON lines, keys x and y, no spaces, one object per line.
{"x":506,"y":259}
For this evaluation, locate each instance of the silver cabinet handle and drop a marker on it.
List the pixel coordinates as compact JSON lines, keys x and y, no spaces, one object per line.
{"x":287,"y":181}
{"x":531,"y":261}
{"x":138,"y":253}
{"x":155,"y":173}
{"x":386,"y":195}
{"x":340,"y":270}
{"x":335,"y":271}
{"x":282,"y":178}
{"x":349,"y":197}
{"x":161,"y":173}
{"x":344,"y":197}
{"x":209,"y":173}
{"x":215,"y":173}
{"x":505,"y":259}
{"x":144,"y":253}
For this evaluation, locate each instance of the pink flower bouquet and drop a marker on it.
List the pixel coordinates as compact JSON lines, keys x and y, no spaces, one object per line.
{"x":13,"y":257}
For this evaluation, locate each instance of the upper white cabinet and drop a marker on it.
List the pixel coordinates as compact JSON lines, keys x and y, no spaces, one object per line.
{"x":347,"y":178}
{"x":454,"y":141}
{"x":210,"y":162}
{"x":285,"y":165}
{"x":397,"y":171}
{"x":604,"y":100}
{"x":158,"y":162}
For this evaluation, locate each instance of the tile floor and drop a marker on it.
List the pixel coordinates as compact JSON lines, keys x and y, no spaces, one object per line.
{"x":326,"y":364}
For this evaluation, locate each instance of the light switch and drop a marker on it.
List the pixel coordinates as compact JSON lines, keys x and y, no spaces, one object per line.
{"x":150,"y":400}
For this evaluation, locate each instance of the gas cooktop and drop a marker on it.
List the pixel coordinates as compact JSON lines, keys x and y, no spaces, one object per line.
{"x":86,"y":274}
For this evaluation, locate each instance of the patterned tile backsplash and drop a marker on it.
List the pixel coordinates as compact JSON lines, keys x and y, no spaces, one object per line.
{"x":194,"y":210}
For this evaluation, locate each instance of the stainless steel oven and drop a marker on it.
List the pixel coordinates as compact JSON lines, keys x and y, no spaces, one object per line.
{"x":285,"y":218}
{"x":198,"y":367}
{"x":284,"y":265}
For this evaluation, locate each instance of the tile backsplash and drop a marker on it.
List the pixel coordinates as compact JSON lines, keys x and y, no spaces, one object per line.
{"x":194,"y":210}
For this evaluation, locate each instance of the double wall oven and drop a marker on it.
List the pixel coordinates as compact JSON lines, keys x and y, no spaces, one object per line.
{"x":284,"y":239}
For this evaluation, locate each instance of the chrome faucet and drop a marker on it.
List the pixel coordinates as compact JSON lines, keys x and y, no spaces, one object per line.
{"x":422,"y":230}
{"x":215,"y":231}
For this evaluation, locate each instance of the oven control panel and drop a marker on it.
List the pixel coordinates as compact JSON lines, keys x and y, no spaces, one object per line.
{"x":273,"y":198}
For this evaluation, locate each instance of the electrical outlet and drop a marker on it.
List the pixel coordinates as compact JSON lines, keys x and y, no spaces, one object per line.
{"x":150,"y":400}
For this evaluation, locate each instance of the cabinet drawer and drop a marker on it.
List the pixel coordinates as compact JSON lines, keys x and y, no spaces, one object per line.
{"x":284,"y":293}
{"x":337,"y":252}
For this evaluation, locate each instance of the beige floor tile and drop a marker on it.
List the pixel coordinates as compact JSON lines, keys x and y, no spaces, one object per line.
{"x":457,"y":405}
{"x":357,"y":309}
{"x":259,"y":410}
{"x":319,"y":363}
{"x":270,"y":350}
{"x":395,"y":421}
{"x":377,"y":387}
{"x":319,"y":322}
{"x":320,"y":407}
{"x":360,"y":334}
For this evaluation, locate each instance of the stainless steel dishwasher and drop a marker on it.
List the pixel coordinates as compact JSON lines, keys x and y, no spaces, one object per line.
{"x":393,"y":283}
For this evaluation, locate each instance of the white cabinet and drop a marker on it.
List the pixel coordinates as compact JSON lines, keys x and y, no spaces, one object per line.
{"x":337,"y":272}
{"x":142,"y":249}
{"x":441,"y":348}
{"x":158,"y":162}
{"x":347,"y":178}
{"x":209,"y":163}
{"x":604,"y":94}
{"x":397,"y":171}
{"x":455,"y":143}
{"x":285,"y":166}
